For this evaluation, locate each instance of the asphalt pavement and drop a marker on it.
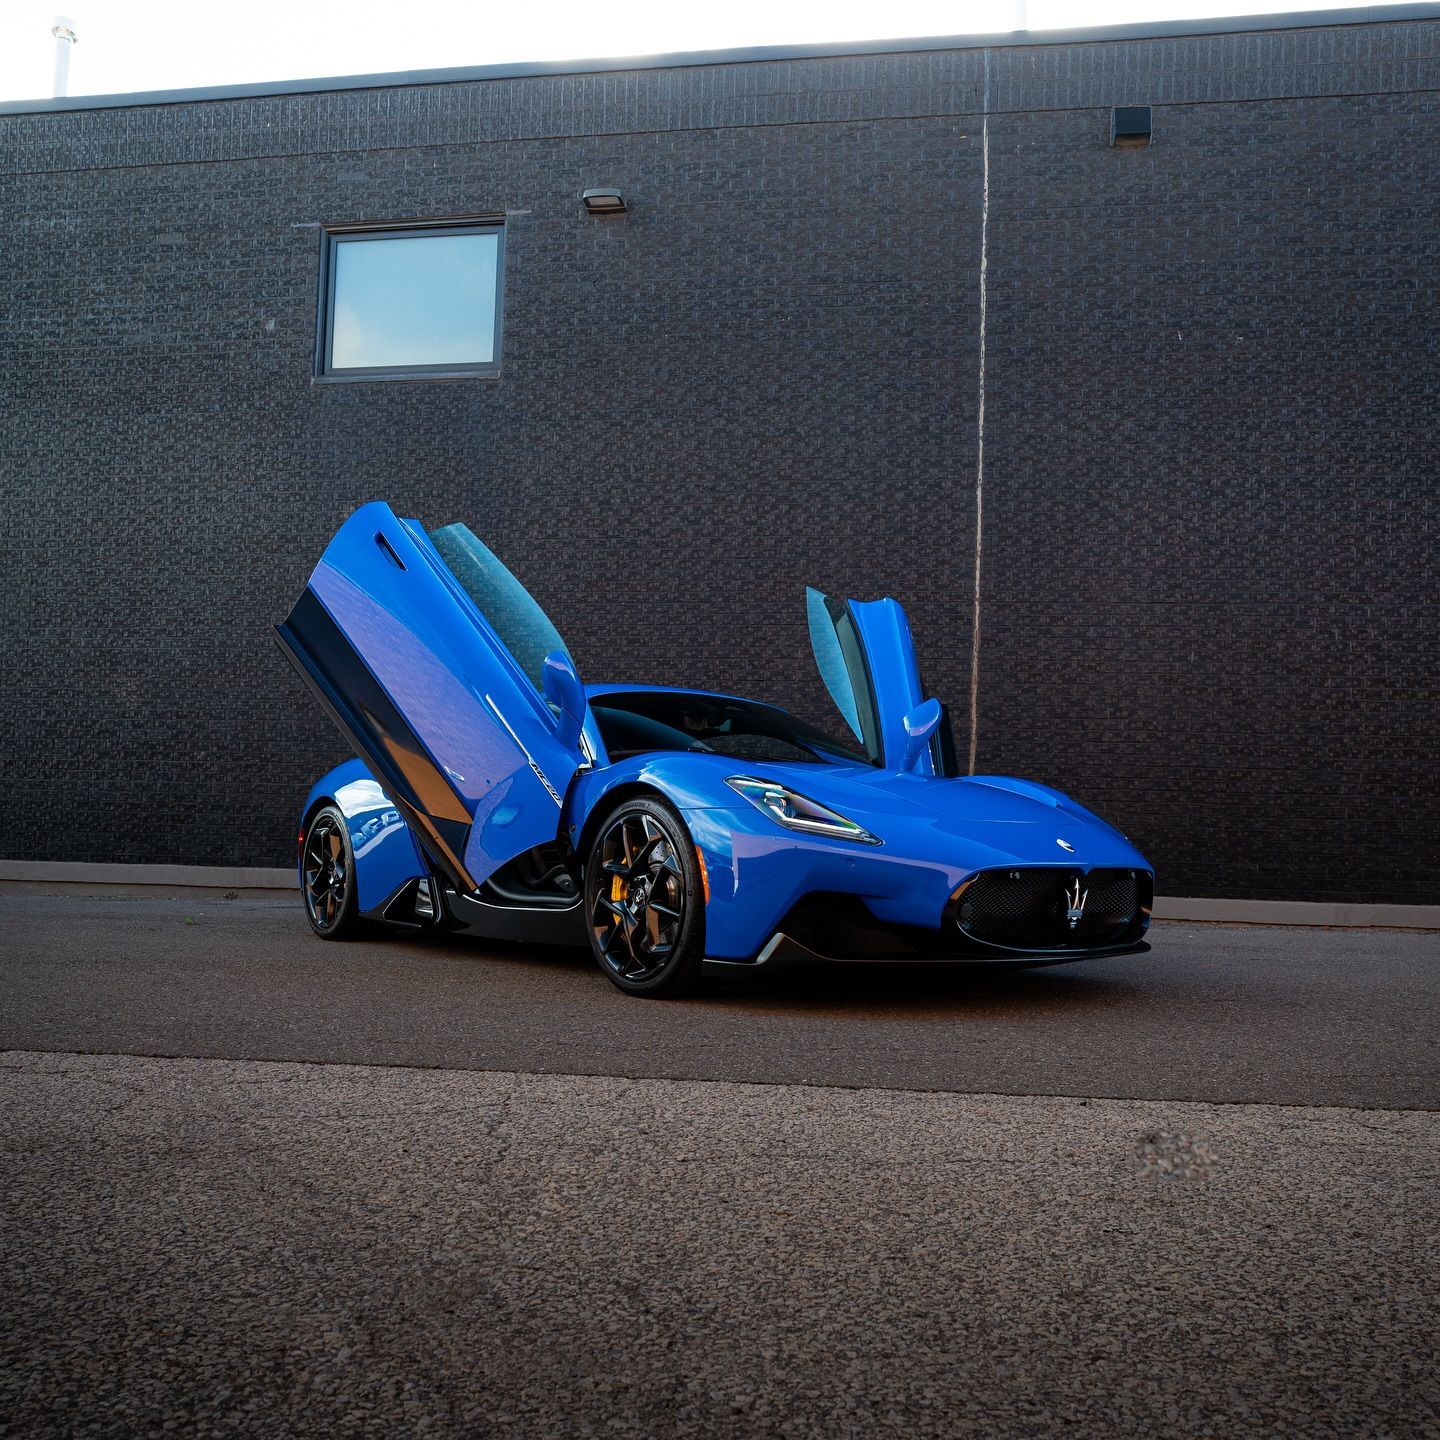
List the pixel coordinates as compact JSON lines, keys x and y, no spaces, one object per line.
{"x":1263,"y":1014}
{"x":259,"y":1185}
{"x":229,"y":1247}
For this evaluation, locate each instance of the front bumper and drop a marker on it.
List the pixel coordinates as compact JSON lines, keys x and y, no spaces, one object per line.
{"x":759,"y":874}
{"x":1018,"y":916}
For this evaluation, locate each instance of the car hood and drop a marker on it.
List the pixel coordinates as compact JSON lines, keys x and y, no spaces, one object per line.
{"x":979,"y":820}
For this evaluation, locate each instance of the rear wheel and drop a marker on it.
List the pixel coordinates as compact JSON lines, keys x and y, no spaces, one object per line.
{"x":327,"y":877}
{"x":643,"y":900}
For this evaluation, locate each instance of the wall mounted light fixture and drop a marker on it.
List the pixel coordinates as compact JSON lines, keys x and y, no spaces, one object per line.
{"x":1130,"y":126}
{"x":607,"y":200}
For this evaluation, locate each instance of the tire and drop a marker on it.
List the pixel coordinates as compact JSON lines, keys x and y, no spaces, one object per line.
{"x":327,"y":877}
{"x":644,"y":901}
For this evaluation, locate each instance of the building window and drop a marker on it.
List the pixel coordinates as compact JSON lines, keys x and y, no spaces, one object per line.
{"x":411,"y":303}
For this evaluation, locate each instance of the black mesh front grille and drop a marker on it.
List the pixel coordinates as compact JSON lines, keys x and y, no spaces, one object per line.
{"x":1035,"y":909}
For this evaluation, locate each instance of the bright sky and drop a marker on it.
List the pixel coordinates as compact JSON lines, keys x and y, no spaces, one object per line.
{"x":163,"y":45}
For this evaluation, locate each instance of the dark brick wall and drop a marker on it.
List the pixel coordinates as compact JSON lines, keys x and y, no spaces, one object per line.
{"x":1210,"y":509}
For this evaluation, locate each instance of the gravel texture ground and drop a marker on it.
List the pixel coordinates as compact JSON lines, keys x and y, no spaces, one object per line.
{"x":222,"y":1247}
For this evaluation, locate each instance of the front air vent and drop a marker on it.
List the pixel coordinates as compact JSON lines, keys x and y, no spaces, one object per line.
{"x":1053,"y":907}
{"x":417,"y":903}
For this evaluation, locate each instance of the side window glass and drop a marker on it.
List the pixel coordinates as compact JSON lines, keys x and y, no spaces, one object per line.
{"x":522,"y":626}
{"x":843,"y":667}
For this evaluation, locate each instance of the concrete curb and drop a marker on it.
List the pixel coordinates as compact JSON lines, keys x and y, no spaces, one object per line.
{"x":210,"y":877}
{"x":1296,"y":912}
{"x":1167,"y":907}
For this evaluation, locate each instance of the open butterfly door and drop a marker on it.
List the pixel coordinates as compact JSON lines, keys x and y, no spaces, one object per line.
{"x":449,"y":681}
{"x":867,"y":661}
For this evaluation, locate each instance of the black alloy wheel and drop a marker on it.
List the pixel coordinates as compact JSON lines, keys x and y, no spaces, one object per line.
{"x":327,"y":876}
{"x":644,"y":900}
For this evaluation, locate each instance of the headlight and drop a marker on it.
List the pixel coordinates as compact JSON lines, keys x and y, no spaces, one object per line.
{"x":795,"y":812}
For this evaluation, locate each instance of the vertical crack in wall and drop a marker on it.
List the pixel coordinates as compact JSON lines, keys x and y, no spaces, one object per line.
{"x":980,"y":412}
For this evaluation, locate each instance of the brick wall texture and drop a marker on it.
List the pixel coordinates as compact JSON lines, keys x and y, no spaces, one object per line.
{"x":1209,"y":585}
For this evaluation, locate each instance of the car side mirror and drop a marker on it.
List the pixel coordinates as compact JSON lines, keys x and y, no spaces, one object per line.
{"x":564,"y":690}
{"x":920,"y":724}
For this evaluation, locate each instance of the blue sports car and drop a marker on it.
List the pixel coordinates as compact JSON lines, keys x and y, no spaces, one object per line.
{"x":677,"y":833}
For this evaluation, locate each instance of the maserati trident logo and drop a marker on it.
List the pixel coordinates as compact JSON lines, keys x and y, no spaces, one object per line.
{"x":1075,"y":899}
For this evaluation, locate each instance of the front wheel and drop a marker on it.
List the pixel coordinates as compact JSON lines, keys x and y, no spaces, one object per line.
{"x":644,"y":901}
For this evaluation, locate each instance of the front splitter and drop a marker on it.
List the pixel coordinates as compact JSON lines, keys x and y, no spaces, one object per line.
{"x":783,"y":950}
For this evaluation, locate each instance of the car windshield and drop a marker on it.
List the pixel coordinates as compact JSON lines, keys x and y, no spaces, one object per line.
{"x":637,"y":722}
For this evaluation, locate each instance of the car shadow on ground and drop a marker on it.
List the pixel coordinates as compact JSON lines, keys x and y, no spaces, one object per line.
{"x":833,"y":989}
{"x":933,"y":990}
